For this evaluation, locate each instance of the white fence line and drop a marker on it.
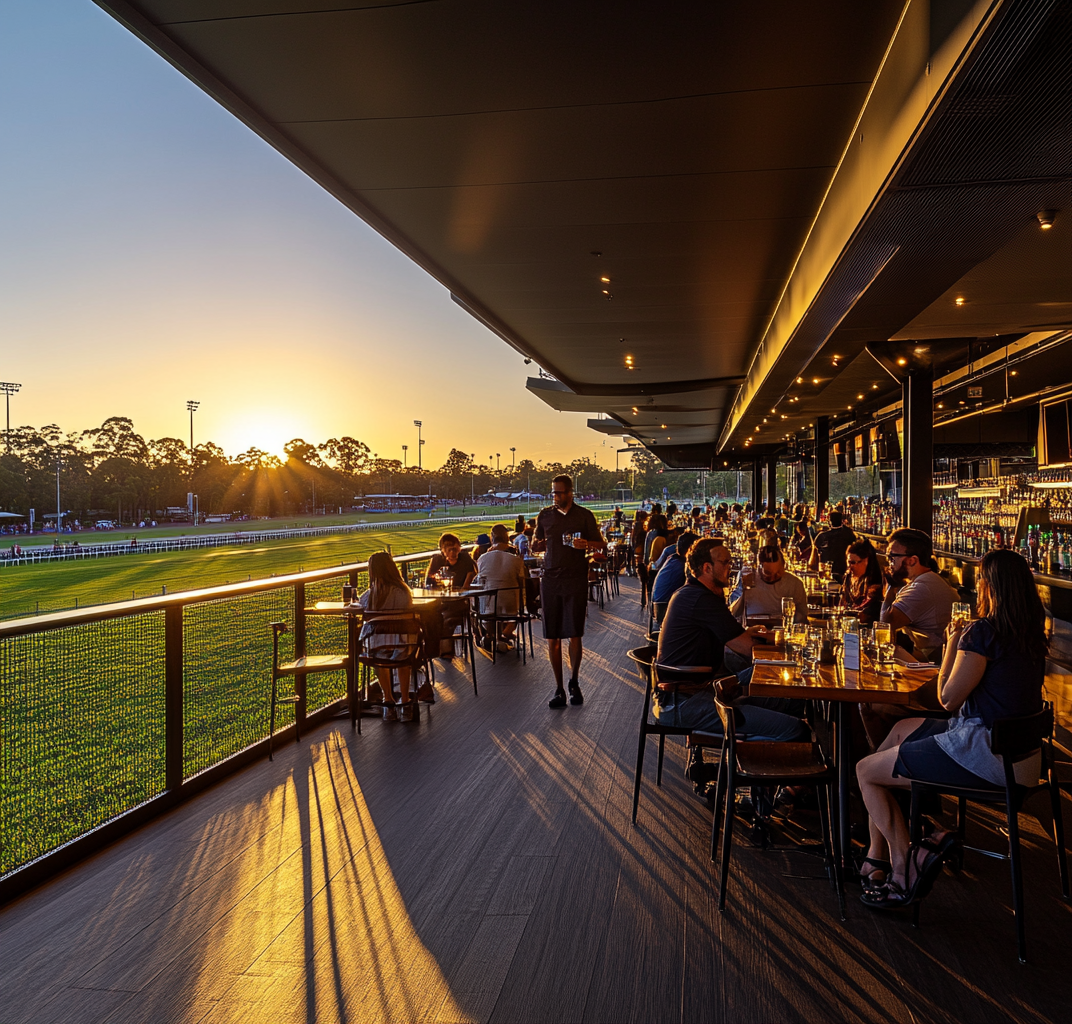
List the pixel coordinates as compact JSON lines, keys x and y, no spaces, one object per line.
{"x":34,"y":556}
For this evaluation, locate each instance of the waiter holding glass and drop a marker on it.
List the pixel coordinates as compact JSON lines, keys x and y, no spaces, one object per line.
{"x":565,"y":531}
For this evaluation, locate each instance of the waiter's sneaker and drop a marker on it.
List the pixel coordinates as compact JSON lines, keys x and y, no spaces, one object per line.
{"x":575,"y":696}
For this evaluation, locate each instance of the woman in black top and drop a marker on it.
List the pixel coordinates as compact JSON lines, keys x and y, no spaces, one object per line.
{"x":861,"y":590}
{"x":993,"y":668}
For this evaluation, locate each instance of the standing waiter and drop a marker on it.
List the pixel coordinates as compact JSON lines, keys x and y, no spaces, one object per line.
{"x":565,"y":531}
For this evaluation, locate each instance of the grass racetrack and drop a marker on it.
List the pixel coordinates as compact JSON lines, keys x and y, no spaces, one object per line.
{"x":54,"y":586}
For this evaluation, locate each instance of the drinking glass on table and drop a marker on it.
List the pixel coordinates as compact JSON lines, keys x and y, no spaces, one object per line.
{"x":567,"y":540}
{"x":813,"y":649}
{"x":789,"y":611}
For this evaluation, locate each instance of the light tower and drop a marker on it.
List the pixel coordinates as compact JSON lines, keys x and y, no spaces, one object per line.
{"x":191,"y":405}
{"x":8,"y":389}
{"x":420,"y":461}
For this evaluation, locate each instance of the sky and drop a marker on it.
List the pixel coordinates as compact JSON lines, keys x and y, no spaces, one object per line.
{"x":155,"y":250}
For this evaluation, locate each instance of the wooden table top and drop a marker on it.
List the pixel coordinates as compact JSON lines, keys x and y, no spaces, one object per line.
{"x":836,"y":683}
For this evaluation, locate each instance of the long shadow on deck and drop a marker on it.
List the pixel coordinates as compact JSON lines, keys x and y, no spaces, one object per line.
{"x":481,"y":865}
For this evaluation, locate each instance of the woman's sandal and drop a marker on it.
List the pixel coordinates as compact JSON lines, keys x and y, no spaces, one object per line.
{"x":867,"y":877}
{"x":891,"y":896}
{"x":887,"y":896}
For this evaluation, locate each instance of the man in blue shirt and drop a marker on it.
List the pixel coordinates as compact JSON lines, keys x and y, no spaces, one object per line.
{"x":672,"y":574}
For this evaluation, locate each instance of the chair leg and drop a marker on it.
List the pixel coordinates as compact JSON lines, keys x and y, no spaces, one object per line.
{"x":638,"y":775}
{"x":727,"y":834}
{"x":1013,"y":816}
{"x":1058,"y":830}
{"x":659,"y":770}
{"x":720,"y":794}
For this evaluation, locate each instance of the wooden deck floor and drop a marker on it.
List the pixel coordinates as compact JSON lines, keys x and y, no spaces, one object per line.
{"x":481,"y":865}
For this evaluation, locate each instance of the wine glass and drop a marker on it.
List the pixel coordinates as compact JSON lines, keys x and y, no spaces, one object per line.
{"x":961,"y":613}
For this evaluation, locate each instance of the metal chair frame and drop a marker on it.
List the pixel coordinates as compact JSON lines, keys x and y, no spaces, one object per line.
{"x":1012,"y":739}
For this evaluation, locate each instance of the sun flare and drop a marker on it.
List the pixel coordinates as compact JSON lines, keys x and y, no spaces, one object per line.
{"x":266,"y":429}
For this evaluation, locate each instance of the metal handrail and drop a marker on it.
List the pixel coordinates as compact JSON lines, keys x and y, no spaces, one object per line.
{"x":120,"y":609}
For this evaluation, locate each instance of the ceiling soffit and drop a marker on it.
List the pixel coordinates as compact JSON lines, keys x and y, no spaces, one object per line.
{"x":969,"y":185}
{"x":500,"y":146}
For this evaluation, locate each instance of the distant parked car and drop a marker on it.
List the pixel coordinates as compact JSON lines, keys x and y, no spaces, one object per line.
{"x":106,"y":524}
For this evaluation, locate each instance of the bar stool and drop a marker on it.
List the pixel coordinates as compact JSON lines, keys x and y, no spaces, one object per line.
{"x":302,"y":666}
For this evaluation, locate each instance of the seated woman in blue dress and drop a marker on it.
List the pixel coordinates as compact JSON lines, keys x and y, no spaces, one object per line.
{"x":993,"y":668}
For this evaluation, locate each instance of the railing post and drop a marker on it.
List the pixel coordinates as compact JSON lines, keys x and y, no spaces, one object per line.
{"x":299,"y":652}
{"x":173,"y":694}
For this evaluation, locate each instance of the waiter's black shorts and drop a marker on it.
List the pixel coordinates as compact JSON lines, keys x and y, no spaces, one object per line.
{"x":563,"y":607}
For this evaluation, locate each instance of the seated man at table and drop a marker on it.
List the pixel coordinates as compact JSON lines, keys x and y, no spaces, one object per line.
{"x":918,"y":601}
{"x":671,"y":575}
{"x":500,"y":569}
{"x":761,"y":594}
{"x":918,"y":605}
{"x":830,"y":546}
{"x":697,"y":631}
{"x":461,"y":568}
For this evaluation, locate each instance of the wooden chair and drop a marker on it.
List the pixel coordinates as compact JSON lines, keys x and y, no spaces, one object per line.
{"x":302,"y":666}
{"x":765,"y":763}
{"x":649,"y":671}
{"x":395,"y":640}
{"x":1013,"y":740}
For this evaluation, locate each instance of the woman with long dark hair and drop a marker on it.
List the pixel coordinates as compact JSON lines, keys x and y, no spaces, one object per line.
{"x":993,"y":668}
{"x":861,"y":590}
{"x":388,"y":592}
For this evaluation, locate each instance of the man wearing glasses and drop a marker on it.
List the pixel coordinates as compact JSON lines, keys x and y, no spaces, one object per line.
{"x":918,"y":603}
{"x":918,"y":600}
{"x":565,"y":532}
{"x":697,"y":631}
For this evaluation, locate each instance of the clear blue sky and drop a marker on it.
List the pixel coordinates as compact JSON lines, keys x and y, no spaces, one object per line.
{"x":156,"y":250}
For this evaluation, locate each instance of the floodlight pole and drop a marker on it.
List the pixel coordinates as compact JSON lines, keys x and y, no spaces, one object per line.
{"x":191,"y":406}
{"x":420,"y":461}
{"x":9,"y":389}
{"x":472,"y":479}
{"x":59,"y":463}
{"x":405,"y":449}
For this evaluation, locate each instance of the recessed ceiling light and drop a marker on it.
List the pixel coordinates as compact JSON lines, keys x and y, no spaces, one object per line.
{"x":859,"y":398}
{"x":1046,"y":219}
{"x":800,"y":380}
{"x":664,"y":426}
{"x":902,"y":361}
{"x":764,"y":419}
{"x":874,"y":387}
{"x":605,"y":280}
{"x":815,"y":380}
{"x":1013,"y":373}
{"x":940,"y":406}
{"x":958,"y":301}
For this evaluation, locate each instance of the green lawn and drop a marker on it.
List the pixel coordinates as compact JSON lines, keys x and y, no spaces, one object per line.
{"x":506,"y":515}
{"x":57,"y":585}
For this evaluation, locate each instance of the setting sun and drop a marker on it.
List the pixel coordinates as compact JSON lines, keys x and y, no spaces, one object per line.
{"x":266,"y":429}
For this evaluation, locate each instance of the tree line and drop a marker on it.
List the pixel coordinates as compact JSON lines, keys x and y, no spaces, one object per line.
{"x":112,"y":470}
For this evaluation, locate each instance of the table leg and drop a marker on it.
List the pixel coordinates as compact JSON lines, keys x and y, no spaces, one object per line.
{"x":843,"y":758}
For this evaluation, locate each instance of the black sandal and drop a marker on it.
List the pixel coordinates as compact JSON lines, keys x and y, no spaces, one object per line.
{"x":887,"y":896}
{"x":575,"y":696}
{"x":558,"y":700}
{"x":868,"y":880}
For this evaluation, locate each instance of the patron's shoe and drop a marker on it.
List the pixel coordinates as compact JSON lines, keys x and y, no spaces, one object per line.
{"x":575,"y":696}
{"x":558,"y":700}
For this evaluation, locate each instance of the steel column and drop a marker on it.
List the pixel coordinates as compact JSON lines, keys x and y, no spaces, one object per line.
{"x":918,"y":456}
{"x":821,"y":458}
{"x":757,"y":483}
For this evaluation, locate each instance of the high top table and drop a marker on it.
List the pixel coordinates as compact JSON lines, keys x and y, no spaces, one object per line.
{"x":841,"y":687}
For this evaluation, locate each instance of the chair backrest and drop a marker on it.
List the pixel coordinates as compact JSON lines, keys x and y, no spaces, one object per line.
{"x":726,"y":691}
{"x":1016,"y":738}
{"x":659,"y":610}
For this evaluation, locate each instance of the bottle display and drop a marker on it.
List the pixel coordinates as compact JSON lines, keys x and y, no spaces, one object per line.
{"x":1030,"y":512}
